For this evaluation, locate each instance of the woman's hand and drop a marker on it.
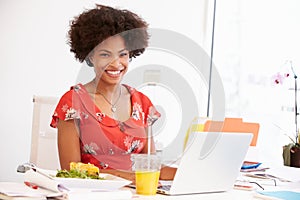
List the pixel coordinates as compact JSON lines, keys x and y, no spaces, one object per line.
{"x":167,"y":173}
{"x":128,"y":175}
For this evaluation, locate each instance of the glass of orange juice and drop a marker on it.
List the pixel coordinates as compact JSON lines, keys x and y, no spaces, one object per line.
{"x":147,"y":170}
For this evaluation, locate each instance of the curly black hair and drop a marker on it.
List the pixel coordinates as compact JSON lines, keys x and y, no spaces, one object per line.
{"x":93,"y":26}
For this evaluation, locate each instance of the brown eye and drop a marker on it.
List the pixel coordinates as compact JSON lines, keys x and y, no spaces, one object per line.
{"x":104,"y":55}
{"x":125,"y":54}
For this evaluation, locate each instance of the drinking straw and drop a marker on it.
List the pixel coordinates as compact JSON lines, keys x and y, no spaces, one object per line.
{"x":149,"y":135}
{"x":151,"y":121}
{"x":149,"y":145}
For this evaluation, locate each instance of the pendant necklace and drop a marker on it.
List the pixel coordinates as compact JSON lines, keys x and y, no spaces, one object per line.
{"x":113,"y":105}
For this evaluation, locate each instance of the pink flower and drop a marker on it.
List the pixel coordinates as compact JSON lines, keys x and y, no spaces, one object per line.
{"x":279,"y":78}
{"x":285,"y":71}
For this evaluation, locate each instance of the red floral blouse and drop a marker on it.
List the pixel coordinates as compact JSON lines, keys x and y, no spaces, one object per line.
{"x":106,"y":142}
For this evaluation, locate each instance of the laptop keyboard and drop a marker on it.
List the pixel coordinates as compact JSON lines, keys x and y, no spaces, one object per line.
{"x":165,"y":187}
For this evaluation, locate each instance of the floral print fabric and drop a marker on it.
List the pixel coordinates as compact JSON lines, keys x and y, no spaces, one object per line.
{"x":105,"y":142}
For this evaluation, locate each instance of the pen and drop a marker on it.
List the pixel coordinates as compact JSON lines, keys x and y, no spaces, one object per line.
{"x":31,"y":185}
{"x":255,"y":169}
{"x":41,"y":173}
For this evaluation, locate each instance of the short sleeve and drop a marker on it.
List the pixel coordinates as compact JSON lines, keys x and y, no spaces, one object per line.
{"x":65,"y":109}
{"x":143,"y":108}
{"x":151,"y":112}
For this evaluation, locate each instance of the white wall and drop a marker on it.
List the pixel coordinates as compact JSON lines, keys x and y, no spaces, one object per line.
{"x":35,"y":59}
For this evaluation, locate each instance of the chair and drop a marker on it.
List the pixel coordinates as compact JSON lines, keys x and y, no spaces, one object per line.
{"x":44,"y":151}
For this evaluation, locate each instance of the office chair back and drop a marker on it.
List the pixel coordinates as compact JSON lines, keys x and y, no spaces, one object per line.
{"x":44,"y":152}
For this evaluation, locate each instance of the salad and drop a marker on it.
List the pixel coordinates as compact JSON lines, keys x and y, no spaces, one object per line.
{"x":80,"y":170}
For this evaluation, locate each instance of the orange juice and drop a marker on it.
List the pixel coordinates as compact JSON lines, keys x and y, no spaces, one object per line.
{"x":146,"y":182}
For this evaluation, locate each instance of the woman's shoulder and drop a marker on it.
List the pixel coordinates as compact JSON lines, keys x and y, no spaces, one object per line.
{"x":73,"y":93}
{"x":78,"y":88}
{"x":138,"y":97}
{"x":130,"y":89}
{"x":134,"y":92}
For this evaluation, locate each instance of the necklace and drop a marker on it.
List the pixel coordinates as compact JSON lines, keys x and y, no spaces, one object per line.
{"x":113,"y":105}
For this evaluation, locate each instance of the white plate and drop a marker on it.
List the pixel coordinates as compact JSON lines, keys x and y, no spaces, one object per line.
{"x":110,"y":182}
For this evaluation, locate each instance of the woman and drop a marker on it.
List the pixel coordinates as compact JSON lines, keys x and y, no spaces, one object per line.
{"x":103,"y":121}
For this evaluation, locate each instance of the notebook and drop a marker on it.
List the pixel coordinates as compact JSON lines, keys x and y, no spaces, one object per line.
{"x":210,"y":163}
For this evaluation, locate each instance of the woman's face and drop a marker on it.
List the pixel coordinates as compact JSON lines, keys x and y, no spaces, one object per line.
{"x":110,"y":59}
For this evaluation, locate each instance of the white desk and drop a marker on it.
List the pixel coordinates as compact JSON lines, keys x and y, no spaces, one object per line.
{"x":230,"y":195}
{"x":290,"y":173}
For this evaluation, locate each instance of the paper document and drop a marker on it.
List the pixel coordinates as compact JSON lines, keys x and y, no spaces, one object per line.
{"x":44,"y":181}
{"x":9,"y":190}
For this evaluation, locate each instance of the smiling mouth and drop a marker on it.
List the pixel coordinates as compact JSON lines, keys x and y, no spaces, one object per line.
{"x":114,"y":72}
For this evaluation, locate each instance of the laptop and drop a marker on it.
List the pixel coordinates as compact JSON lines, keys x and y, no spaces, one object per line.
{"x":210,"y":163}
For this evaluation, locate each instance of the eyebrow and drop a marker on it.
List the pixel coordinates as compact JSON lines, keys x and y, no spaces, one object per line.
{"x":111,"y":52}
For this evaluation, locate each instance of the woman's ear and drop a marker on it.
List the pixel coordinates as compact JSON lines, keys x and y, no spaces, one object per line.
{"x":88,"y":62}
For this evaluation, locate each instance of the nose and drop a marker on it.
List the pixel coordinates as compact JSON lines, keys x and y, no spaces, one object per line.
{"x":115,"y":62}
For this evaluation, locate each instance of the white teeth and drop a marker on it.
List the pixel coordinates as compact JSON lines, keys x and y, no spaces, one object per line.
{"x":114,"y":72}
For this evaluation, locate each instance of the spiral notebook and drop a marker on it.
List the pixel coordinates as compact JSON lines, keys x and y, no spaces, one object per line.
{"x":210,"y":163}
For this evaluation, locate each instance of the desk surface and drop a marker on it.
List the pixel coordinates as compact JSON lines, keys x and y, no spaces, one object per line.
{"x":230,"y":195}
{"x":289,"y":173}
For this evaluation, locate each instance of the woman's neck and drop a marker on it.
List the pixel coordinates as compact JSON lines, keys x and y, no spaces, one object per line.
{"x":106,"y":89}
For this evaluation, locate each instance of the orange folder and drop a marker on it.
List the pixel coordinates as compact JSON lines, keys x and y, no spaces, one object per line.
{"x":233,"y":125}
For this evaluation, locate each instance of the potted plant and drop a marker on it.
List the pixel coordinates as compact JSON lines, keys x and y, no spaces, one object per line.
{"x":291,"y":151}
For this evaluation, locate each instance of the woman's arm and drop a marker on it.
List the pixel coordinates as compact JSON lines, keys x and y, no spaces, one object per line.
{"x":68,"y":143}
{"x":129,"y":175}
{"x":69,"y":149}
